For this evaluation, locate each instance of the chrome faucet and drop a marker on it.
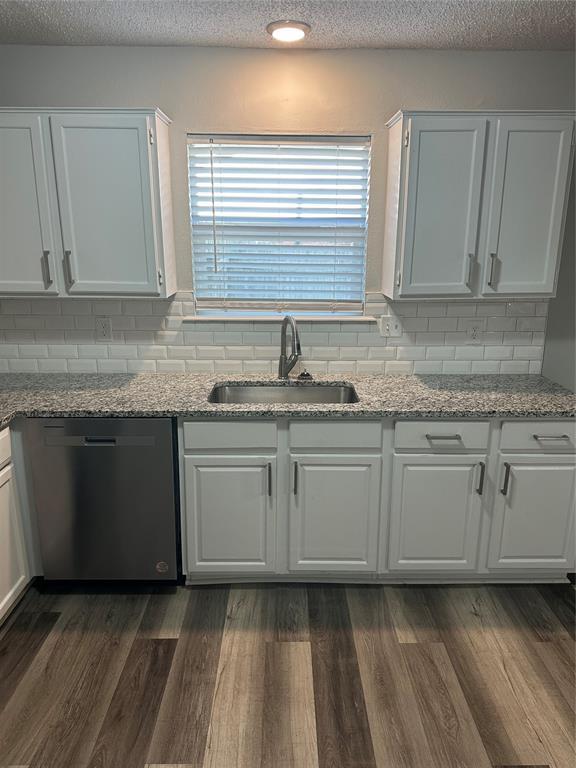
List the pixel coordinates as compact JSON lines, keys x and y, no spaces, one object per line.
{"x":285,"y":364}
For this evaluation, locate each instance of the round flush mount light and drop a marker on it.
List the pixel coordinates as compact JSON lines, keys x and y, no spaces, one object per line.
{"x":288,"y":31}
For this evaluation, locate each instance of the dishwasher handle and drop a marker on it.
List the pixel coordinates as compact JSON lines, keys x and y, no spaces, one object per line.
{"x":99,"y":440}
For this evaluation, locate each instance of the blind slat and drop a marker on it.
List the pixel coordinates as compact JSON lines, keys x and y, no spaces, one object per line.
{"x":279,"y":220}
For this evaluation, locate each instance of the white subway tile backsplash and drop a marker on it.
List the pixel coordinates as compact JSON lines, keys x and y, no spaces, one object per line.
{"x":456,"y":366}
{"x":53,"y":365}
{"x":428,"y":366}
{"x":82,"y":366}
{"x":469,"y":353}
{"x":514,"y":366}
{"x":112,"y":366}
{"x":398,"y":368}
{"x":23,"y":366}
{"x":485,"y":366}
{"x":535,"y":366}
{"x":152,"y":335}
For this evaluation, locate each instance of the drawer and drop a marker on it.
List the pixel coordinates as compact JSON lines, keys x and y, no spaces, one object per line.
{"x":441,"y":436}
{"x":5,"y":452}
{"x":216,"y":435}
{"x":551,"y":436}
{"x":320,"y":433}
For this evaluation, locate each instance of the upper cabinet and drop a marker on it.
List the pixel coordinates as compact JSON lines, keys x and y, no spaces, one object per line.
{"x":86,"y":208}
{"x":475,"y":204}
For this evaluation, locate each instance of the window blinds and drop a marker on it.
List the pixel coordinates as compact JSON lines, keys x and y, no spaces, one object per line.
{"x":279,"y":221}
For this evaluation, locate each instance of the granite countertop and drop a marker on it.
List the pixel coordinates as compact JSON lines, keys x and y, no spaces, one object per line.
{"x":180,"y":394}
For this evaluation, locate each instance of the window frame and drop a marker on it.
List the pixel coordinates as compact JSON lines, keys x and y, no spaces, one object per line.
{"x":255,"y":308}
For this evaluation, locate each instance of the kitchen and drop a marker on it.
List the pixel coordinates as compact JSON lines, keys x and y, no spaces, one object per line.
{"x":228,"y":538}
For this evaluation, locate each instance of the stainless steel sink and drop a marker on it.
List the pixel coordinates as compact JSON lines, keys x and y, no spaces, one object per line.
{"x":283,"y":393}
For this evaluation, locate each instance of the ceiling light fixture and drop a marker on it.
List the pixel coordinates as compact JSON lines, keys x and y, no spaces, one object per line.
{"x":288,"y":31}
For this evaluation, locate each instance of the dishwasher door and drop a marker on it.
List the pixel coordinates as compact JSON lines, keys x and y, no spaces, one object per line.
{"x":104,"y":496}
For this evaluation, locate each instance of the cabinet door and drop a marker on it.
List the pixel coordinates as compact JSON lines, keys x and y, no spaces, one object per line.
{"x":104,"y":189}
{"x":26,"y":239}
{"x":534,"y":513}
{"x":444,"y":182}
{"x":334,"y":506}
{"x":13,"y":569}
{"x":231,"y":513}
{"x":435,"y":512}
{"x":527,"y":204}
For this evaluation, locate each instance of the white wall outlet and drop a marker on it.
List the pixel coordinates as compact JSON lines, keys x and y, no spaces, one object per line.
{"x":103,"y":329}
{"x":389,"y":326}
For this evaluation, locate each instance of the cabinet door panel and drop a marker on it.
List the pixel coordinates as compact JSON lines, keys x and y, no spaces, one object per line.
{"x":230,"y":513}
{"x":13,"y":569}
{"x":444,"y":181}
{"x":435,"y":513}
{"x":527,"y":203}
{"x":334,"y":510}
{"x":26,"y":239}
{"x":104,"y":188}
{"x":534,"y":521}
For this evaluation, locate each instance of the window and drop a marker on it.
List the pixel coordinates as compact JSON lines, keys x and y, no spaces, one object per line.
{"x":279,"y":222}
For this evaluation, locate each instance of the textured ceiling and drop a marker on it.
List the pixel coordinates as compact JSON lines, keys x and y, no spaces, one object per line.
{"x":456,"y":24}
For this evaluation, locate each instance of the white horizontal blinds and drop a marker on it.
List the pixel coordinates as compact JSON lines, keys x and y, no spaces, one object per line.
{"x":278,"y":221}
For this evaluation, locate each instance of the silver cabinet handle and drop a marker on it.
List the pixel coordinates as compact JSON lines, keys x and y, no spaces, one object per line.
{"x":551,"y":437}
{"x":504,"y":489}
{"x":46,"y":268}
{"x":480,"y":489}
{"x":68,"y":262}
{"x":295,"y":478}
{"x":443,"y":437}
{"x":492,"y":268}
{"x":270,"y":479}
{"x":470,"y":269}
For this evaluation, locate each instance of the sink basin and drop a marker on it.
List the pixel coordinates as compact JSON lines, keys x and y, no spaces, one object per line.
{"x":283,"y":393}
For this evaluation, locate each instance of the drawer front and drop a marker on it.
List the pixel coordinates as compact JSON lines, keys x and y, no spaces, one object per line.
{"x":441,"y":436}
{"x":342,"y":434}
{"x":222,"y":435}
{"x":5,"y":452}
{"x":550,"y":436}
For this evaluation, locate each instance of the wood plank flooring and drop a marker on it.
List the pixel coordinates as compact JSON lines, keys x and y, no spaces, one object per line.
{"x":291,"y":676}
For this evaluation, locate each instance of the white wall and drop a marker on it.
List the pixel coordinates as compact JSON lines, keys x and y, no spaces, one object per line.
{"x":233,"y":90}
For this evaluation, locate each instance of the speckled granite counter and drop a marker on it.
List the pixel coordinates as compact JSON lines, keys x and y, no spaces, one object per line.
{"x":176,"y":394}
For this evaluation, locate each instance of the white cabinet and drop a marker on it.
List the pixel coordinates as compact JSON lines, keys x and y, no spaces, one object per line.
{"x":526,"y":206}
{"x":13,"y":561}
{"x":26,"y":235}
{"x":334,"y":512}
{"x":436,"y":512}
{"x":100,"y":181}
{"x":475,"y":203}
{"x":533,"y":522}
{"x":443,"y":185}
{"x":230,"y":513}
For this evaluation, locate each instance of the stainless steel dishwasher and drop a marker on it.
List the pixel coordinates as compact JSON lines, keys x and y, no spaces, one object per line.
{"x":104,"y":497}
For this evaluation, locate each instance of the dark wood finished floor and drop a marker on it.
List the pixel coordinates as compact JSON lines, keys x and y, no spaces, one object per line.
{"x":291,"y":676}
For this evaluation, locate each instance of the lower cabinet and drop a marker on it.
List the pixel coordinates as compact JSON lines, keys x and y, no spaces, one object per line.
{"x":231,"y":513}
{"x":334,"y":513}
{"x":13,"y":566}
{"x":435,"y":512}
{"x":533,"y":513}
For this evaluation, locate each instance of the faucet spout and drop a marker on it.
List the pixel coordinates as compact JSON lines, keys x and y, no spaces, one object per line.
{"x":285,"y":363}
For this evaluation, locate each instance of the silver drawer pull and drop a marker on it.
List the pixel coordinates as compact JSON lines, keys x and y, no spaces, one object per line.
{"x":480,"y":488}
{"x":470,"y":269}
{"x":46,"y":268}
{"x":68,"y":264}
{"x":443,"y":437}
{"x":295,"y":487}
{"x":507,"y":470}
{"x":551,"y":437}
{"x":270,"y":479}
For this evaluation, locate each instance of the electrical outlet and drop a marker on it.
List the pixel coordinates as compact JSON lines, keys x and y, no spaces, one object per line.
{"x":103,"y":329}
{"x":389,"y":326}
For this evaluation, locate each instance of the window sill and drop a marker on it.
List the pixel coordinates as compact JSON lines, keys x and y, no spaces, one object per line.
{"x":266,"y":318}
